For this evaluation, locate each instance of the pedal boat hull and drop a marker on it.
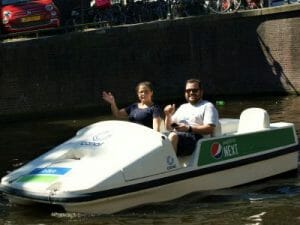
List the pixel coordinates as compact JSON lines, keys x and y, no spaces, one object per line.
{"x":115,"y":165}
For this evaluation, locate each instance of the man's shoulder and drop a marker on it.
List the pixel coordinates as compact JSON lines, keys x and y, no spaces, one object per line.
{"x":204,"y":103}
{"x":208,"y":103}
{"x":184,"y":105}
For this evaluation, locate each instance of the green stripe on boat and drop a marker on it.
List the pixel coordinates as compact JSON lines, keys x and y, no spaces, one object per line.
{"x":37,"y":178}
{"x":225,"y":148}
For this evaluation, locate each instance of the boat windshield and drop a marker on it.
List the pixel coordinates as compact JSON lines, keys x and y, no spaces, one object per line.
{"x":13,"y":2}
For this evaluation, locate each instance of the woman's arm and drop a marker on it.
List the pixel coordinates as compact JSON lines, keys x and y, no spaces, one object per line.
{"x":156,"y":123}
{"x":118,"y":113}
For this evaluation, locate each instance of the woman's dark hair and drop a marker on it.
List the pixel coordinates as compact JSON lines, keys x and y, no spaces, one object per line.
{"x":144,"y":83}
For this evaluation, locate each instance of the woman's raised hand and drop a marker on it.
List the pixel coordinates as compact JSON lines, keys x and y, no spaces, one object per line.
{"x":108,"y":97}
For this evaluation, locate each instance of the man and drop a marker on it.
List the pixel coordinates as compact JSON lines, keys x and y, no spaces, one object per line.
{"x":193,"y":119}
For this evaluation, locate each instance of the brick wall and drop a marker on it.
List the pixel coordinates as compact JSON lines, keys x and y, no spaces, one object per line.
{"x":250,"y":52}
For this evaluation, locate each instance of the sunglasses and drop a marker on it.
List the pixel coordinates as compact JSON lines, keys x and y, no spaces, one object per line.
{"x":193,"y":90}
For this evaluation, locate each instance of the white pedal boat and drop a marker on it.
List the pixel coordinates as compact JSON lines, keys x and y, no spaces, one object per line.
{"x":115,"y":165}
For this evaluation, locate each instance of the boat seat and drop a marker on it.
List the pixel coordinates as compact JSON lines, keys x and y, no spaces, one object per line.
{"x":253,"y":119}
{"x":226,"y":126}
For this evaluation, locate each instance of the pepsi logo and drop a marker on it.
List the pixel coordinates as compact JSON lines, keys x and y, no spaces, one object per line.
{"x":216,"y":150}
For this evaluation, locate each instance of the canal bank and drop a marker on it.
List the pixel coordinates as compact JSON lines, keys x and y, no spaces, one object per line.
{"x":250,"y":52}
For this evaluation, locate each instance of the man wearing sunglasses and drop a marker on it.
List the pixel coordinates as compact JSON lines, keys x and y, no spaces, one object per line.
{"x":191,"y":120}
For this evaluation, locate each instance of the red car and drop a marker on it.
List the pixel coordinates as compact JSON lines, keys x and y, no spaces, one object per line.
{"x":26,"y":15}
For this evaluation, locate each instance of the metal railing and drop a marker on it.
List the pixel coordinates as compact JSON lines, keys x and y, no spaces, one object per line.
{"x":53,"y":31}
{"x":134,"y":11}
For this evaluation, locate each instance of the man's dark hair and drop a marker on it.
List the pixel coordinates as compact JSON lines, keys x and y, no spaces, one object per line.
{"x":195,"y":81}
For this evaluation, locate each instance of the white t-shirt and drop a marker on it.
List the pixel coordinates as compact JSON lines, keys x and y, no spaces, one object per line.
{"x":202,"y":113}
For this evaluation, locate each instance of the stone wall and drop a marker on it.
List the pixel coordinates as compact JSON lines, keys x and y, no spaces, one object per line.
{"x":251,"y":52}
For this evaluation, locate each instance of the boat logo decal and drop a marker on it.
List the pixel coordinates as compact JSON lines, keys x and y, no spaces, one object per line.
{"x":227,"y":149}
{"x":216,"y":150}
{"x":44,"y":175}
{"x":97,"y":140}
{"x":51,"y":170}
{"x":170,"y":162}
{"x":102,"y":136}
{"x":91,"y":143}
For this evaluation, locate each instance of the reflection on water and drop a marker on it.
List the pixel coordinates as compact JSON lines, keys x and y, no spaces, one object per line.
{"x":275,"y":201}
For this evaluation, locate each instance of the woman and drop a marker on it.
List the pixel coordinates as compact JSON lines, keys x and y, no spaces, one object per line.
{"x":144,"y":112}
